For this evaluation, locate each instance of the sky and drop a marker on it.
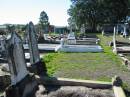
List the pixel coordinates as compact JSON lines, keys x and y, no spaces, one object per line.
{"x":23,"y":11}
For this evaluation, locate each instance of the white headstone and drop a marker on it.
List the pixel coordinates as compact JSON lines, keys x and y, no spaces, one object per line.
{"x":124,"y":31}
{"x":16,"y":58}
{"x":71,"y":38}
{"x":114,"y":40}
{"x":33,"y":45}
{"x":83,"y":29}
{"x":62,"y":42}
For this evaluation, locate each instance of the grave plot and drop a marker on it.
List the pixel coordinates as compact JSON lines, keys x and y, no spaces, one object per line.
{"x":122,"y":49}
{"x":85,"y":44}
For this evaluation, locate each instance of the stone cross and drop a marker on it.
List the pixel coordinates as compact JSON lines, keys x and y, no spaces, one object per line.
{"x":114,"y":40}
{"x":16,"y":58}
{"x":33,"y":45}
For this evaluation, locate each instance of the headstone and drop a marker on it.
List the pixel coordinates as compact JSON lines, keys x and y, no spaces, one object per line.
{"x":124,"y":31}
{"x":83,"y":29}
{"x":62,"y":42}
{"x":37,"y":66}
{"x":33,"y":45}
{"x":16,"y":58}
{"x":103,"y":32}
{"x":114,"y":40}
{"x":71,"y":38}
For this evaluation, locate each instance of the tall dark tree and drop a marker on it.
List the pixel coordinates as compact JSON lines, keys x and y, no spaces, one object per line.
{"x":43,"y":22}
{"x":95,"y":12}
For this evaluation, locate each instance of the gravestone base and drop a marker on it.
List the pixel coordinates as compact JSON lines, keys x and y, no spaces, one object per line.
{"x":38,"y":68}
{"x":22,"y":89}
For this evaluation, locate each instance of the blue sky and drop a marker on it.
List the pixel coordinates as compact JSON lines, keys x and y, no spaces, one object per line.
{"x":23,"y":11}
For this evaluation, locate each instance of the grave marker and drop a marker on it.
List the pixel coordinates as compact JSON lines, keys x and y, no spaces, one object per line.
{"x":114,"y":40}
{"x":37,"y":66}
{"x":33,"y":45}
{"x":16,"y":58}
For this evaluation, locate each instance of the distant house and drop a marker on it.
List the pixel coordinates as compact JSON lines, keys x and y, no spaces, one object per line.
{"x":61,"y":29}
{"x":58,"y":29}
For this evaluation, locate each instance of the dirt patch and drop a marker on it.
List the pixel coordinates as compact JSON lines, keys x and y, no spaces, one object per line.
{"x":72,"y":91}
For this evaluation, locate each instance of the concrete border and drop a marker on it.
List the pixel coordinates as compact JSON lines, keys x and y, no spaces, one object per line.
{"x":74,"y":82}
{"x":115,"y":85}
{"x":118,"y":91}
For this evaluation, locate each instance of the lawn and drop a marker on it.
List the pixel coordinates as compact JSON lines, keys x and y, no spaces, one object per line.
{"x":94,"y":66}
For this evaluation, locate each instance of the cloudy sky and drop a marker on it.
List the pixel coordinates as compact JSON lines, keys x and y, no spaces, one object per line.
{"x":23,"y":11}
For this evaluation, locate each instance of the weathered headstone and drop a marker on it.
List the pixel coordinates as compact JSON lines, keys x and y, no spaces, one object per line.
{"x":37,"y":66}
{"x":16,"y":58}
{"x":22,"y":83}
{"x":33,"y":46}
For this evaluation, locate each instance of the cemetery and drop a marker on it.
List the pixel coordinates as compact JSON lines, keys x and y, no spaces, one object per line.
{"x":90,"y":57}
{"x":59,"y":71}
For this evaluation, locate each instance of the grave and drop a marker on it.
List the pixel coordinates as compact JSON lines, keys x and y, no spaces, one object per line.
{"x":22,"y":83}
{"x":122,"y":49}
{"x":37,"y":66}
{"x":73,"y":45}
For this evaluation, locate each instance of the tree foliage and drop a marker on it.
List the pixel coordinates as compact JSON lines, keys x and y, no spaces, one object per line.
{"x":96,"y":12}
{"x":43,"y":21}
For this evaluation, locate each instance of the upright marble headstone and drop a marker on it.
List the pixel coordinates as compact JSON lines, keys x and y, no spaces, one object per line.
{"x":114,"y":40}
{"x":33,"y":45}
{"x":83,"y":29}
{"x":16,"y":58}
{"x":71,"y":38}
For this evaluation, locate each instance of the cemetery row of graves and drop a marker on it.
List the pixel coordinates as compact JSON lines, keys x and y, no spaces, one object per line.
{"x":32,"y":68}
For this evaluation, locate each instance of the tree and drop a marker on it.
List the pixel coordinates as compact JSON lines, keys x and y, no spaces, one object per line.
{"x":97,"y":12}
{"x":43,"y":22}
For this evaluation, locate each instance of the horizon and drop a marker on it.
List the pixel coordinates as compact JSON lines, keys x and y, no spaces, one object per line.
{"x":22,"y":11}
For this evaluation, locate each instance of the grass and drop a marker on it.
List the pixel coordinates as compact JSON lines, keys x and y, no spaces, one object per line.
{"x":93,"y":66}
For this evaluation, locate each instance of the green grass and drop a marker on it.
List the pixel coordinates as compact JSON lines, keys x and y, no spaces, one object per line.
{"x":93,"y":66}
